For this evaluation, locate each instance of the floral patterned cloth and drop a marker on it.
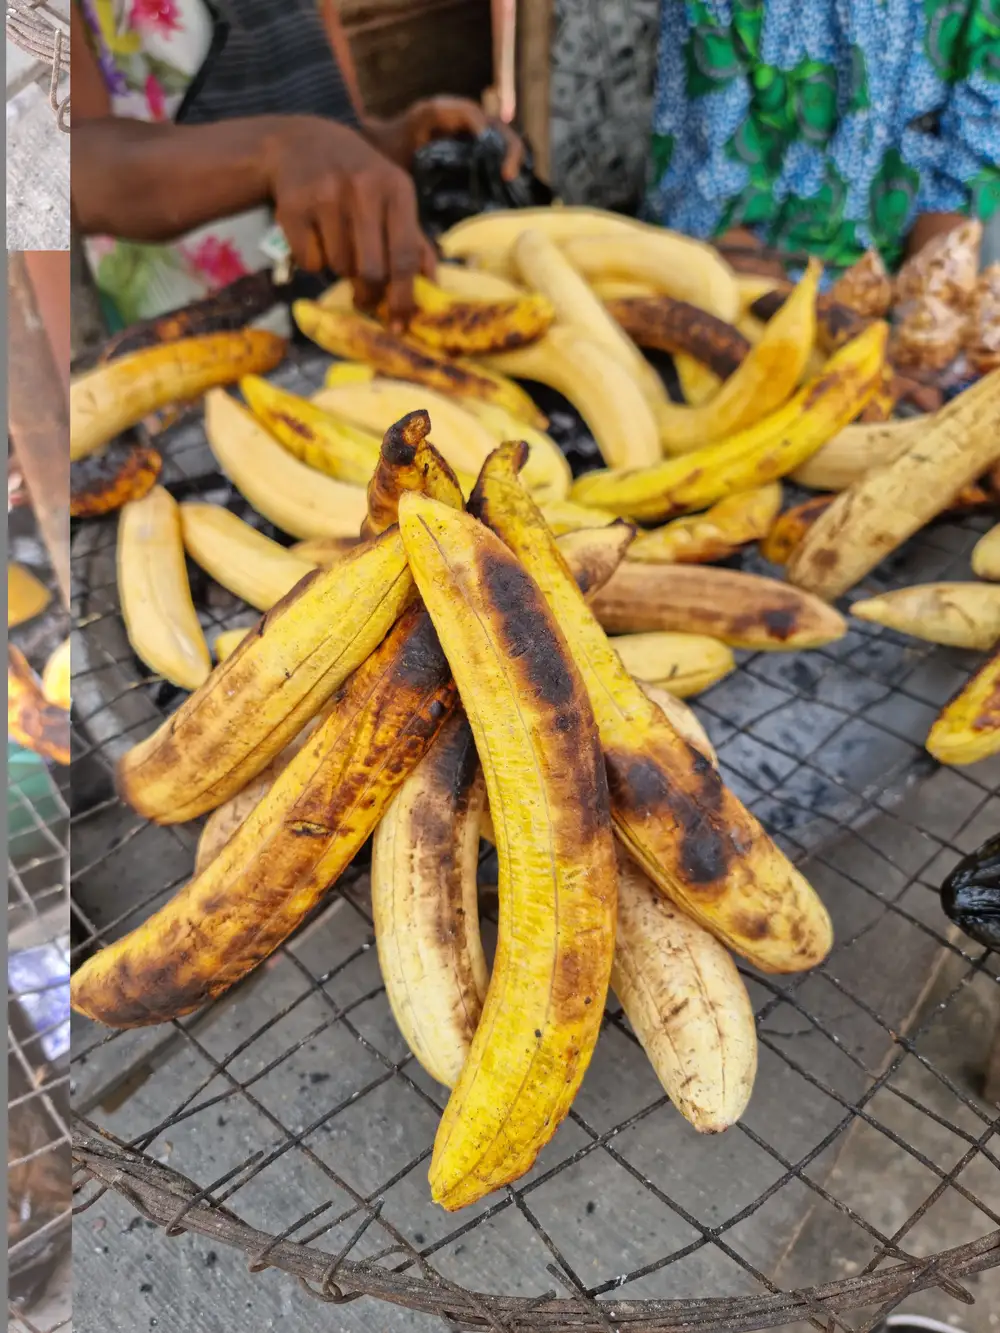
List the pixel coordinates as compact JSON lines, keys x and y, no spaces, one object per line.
{"x":825,"y":126}
{"x":149,"y":52}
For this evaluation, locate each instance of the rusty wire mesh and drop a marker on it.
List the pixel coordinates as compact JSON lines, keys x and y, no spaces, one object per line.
{"x":321,"y":1123}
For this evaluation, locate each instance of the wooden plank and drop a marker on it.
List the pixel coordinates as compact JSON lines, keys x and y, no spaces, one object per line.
{"x":534,"y":23}
{"x":38,"y":417}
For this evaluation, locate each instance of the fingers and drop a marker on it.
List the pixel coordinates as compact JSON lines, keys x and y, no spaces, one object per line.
{"x":406,"y":249}
{"x":303,"y":241}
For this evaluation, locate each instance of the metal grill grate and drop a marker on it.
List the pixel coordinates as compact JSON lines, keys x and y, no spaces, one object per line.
{"x":298,"y":1128}
{"x":39,"y":1211}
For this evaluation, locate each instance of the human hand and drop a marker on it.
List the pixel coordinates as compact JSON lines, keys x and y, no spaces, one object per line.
{"x":345,"y":206}
{"x":439,"y":118}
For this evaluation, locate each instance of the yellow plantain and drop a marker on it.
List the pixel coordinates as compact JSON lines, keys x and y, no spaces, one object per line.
{"x":239,"y":557}
{"x":683,"y":719}
{"x":261,"y":696}
{"x":159,"y":615}
{"x":327,"y":443}
{"x":56,"y":677}
{"x":986,"y":555}
{"x":407,"y":462}
{"x":963,"y":615}
{"x":33,"y":721}
{"x":26,"y":596}
{"x":472,"y":284}
{"x":547,"y":472}
{"x":456,"y":432}
{"x":699,"y":384}
{"x":744,"y":517}
{"x":691,"y":835}
{"x":536,"y":737}
{"x":855,"y":450}
{"x":464,"y":326}
{"x":108,"y":400}
{"x":682,"y":664}
{"x":743,"y":610}
{"x":544,"y":268}
{"x":348,"y":334}
{"x":759,"y":385}
{"x":788,"y":529}
{"x":296,"y":498}
{"x":686,"y":1002}
{"x":622,"y":247}
{"x":425,"y":903}
{"x":606,"y":396}
{"x":968,"y":728}
{"x":564,"y":516}
{"x":886,"y":507}
{"x":230,"y":639}
{"x":324,"y":550}
{"x":291,"y":848}
{"x":762,"y":453}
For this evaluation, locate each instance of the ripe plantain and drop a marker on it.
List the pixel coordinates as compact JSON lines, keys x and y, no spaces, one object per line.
{"x":324,"y":550}
{"x":547,"y":472}
{"x":291,"y":848}
{"x":763,"y":381}
{"x":624,"y":248}
{"x":262,"y":694}
{"x":464,"y":326}
{"x":425,"y":904}
{"x":743,"y":610}
{"x":744,"y":517}
{"x":472,"y":284}
{"x":545,"y":268}
{"x":33,"y":721}
{"x":407,"y":462}
{"x":699,"y":384}
{"x":56,"y":677}
{"x":606,"y":396}
{"x":26,"y":596}
{"x":683,"y":719}
{"x":788,"y":529}
{"x":686,"y":1002}
{"x":296,"y":498}
{"x":681,"y":329}
{"x":857,"y":449}
{"x":536,"y":737}
{"x":345,"y":333}
{"x":968,"y":728}
{"x":229,"y":640}
{"x":764,"y":452}
{"x":691,"y":835}
{"x":456,"y":432}
{"x":159,"y":615}
{"x":327,"y":443}
{"x":986,"y":555}
{"x":237,"y":556}
{"x":682,"y":664}
{"x":113,"y":397}
{"x":963,"y":615}
{"x":564,"y":516}
{"x":875,"y":515}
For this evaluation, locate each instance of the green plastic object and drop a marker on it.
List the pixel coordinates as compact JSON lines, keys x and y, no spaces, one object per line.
{"x":30,"y":787}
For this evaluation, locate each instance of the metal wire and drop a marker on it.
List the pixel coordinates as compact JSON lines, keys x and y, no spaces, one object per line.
{"x":826,"y":747}
{"x":39,"y":1169}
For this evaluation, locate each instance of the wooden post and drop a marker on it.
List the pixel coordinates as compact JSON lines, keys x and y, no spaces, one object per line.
{"x":534,"y":21}
{"x":38,"y":403}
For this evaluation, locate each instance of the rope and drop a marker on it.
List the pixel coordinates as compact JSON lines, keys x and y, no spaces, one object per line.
{"x":35,"y":29}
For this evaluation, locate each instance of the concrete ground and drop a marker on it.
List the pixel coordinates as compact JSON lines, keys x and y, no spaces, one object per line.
{"x":38,"y":159}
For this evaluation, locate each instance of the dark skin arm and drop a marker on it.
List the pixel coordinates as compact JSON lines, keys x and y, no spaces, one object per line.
{"x":342,"y":203}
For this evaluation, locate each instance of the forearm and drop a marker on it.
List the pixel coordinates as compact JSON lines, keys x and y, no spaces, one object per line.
{"x":154,"y":182}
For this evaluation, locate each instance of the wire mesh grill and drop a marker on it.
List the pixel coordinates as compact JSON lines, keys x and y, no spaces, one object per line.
{"x":298,"y":1127}
{"x":39,"y":1211}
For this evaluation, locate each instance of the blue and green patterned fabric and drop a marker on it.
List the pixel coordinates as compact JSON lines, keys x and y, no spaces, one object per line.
{"x":825,"y":125}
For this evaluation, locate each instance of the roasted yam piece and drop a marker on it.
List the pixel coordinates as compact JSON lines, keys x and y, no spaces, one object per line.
{"x":104,"y":482}
{"x":32,"y":721}
{"x":291,"y":848}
